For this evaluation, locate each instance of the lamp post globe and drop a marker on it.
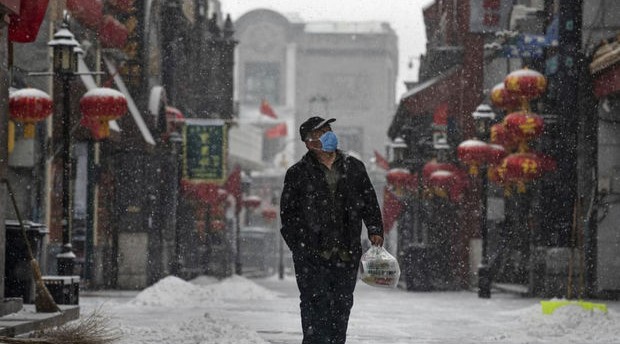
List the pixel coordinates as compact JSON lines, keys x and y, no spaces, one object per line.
{"x":483,"y":116}
{"x":65,"y":48}
{"x":399,"y":151}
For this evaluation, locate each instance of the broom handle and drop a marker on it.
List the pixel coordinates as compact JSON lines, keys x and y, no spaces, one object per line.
{"x":19,"y":217}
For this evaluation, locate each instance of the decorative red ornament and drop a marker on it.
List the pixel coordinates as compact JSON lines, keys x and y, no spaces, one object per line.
{"x":504,"y":99}
{"x":496,"y":174}
{"x":252,"y":201}
{"x":24,"y":28}
{"x":218,"y":225}
{"x":205,"y":193}
{"x":88,"y":12}
{"x":441,"y":182}
{"x":526,"y":83}
{"x":497,"y":153}
{"x":269,"y":214}
{"x":521,"y":168}
{"x":29,"y":106}
{"x":473,"y":153}
{"x":112,"y":33}
{"x":101,"y":105}
{"x":434,"y":165}
{"x":401,"y":180}
{"x":524,"y":126}
{"x":500,"y":136}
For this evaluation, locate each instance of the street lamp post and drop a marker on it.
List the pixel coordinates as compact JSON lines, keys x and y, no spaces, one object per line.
{"x":482,"y":120}
{"x":66,"y":49}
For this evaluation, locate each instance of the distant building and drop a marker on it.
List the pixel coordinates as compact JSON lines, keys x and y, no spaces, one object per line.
{"x":345,"y":70}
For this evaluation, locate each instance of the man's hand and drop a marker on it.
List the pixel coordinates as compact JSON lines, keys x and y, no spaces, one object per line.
{"x":376,"y":240}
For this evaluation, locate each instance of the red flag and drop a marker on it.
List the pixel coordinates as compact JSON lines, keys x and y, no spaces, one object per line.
{"x":381,"y":161}
{"x":392,"y":207}
{"x":233,"y":186}
{"x":267,"y":110}
{"x":276,"y":131}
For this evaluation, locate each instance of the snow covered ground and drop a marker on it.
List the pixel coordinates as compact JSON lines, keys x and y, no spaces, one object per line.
{"x":243,"y":311}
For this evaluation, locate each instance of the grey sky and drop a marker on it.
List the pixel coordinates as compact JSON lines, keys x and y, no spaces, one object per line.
{"x":405,"y":17}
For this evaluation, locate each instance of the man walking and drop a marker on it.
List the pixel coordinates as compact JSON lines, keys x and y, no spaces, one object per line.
{"x":326,"y":196}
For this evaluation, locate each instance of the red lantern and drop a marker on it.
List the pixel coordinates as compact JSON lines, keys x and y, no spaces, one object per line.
{"x":29,"y":106}
{"x":526,"y":83}
{"x":269,"y":214}
{"x":473,"y":153}
{"x":521,"y":168}
{"x":500,"y":136}
{"x":112,"y":33}
{"x":252,"y":202}
{"x":441,"y":182}
{"x":218,"y":225}
{"x":433,"y":166}
{"x":101,"y":105}
{"x":401,"y":180}
{"x":497,"y":153}
{"x":524,"y":126}
{"x":496,"y":174}
{"x":24,"y":28}
{"x":88,"y":12}
{"x":504,"y":99}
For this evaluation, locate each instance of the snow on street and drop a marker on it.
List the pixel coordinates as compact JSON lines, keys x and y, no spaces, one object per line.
{"x":254,"y":311}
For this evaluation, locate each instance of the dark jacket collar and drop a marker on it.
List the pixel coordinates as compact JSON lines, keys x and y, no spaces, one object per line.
{"x":311,"y":158}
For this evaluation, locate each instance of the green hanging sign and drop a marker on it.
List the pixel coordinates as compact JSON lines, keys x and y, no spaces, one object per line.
{"x":205,"y":147}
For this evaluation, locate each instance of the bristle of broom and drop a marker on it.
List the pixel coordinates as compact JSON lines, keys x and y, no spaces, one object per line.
{"x":43,"y":300}
{"x":90,"y":330}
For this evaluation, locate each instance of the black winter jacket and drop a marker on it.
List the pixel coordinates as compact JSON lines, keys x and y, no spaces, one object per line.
{"x":306,"y":206}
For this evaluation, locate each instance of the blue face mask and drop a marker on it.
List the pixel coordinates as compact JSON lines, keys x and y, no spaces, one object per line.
{"x":329,"y":141}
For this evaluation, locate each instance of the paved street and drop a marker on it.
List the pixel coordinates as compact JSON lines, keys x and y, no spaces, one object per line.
{"x":379,"y":316}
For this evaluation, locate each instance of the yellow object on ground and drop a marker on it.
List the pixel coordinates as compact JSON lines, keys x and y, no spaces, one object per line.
{"x":548,"y":307}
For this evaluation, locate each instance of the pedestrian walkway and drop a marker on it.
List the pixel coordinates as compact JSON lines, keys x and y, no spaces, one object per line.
{"x":266,"y":310}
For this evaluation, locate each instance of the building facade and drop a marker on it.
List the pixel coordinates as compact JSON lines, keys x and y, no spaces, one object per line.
{"x":345,"y":70}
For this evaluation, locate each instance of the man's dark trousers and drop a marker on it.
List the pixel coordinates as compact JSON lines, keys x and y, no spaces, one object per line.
{"x":326,"y":291}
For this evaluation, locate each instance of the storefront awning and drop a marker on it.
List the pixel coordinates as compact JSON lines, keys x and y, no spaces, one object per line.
{"x":428,"y":95}
{"x":133,"y":109}
{"x":424,"y":99}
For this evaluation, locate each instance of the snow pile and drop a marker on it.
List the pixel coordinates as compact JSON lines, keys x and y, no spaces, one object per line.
{"x":198,"y":330}
{"x":170,"y":291}
{"x":173,"y":291}
{"x":568,"y":324}
{"x":176,"y":311}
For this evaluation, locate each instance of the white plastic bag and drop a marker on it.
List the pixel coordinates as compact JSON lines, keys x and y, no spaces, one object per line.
{"x":379,"y":268}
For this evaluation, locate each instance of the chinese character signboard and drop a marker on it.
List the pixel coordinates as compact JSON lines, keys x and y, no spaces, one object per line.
{"x":488,"y":16}
{"x":205,"y":145}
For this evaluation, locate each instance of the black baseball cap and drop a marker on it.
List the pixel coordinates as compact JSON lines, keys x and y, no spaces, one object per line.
{"x":313,"y":123}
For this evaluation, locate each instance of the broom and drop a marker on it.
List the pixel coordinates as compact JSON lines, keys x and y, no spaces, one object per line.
{"x":43,"y":300}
